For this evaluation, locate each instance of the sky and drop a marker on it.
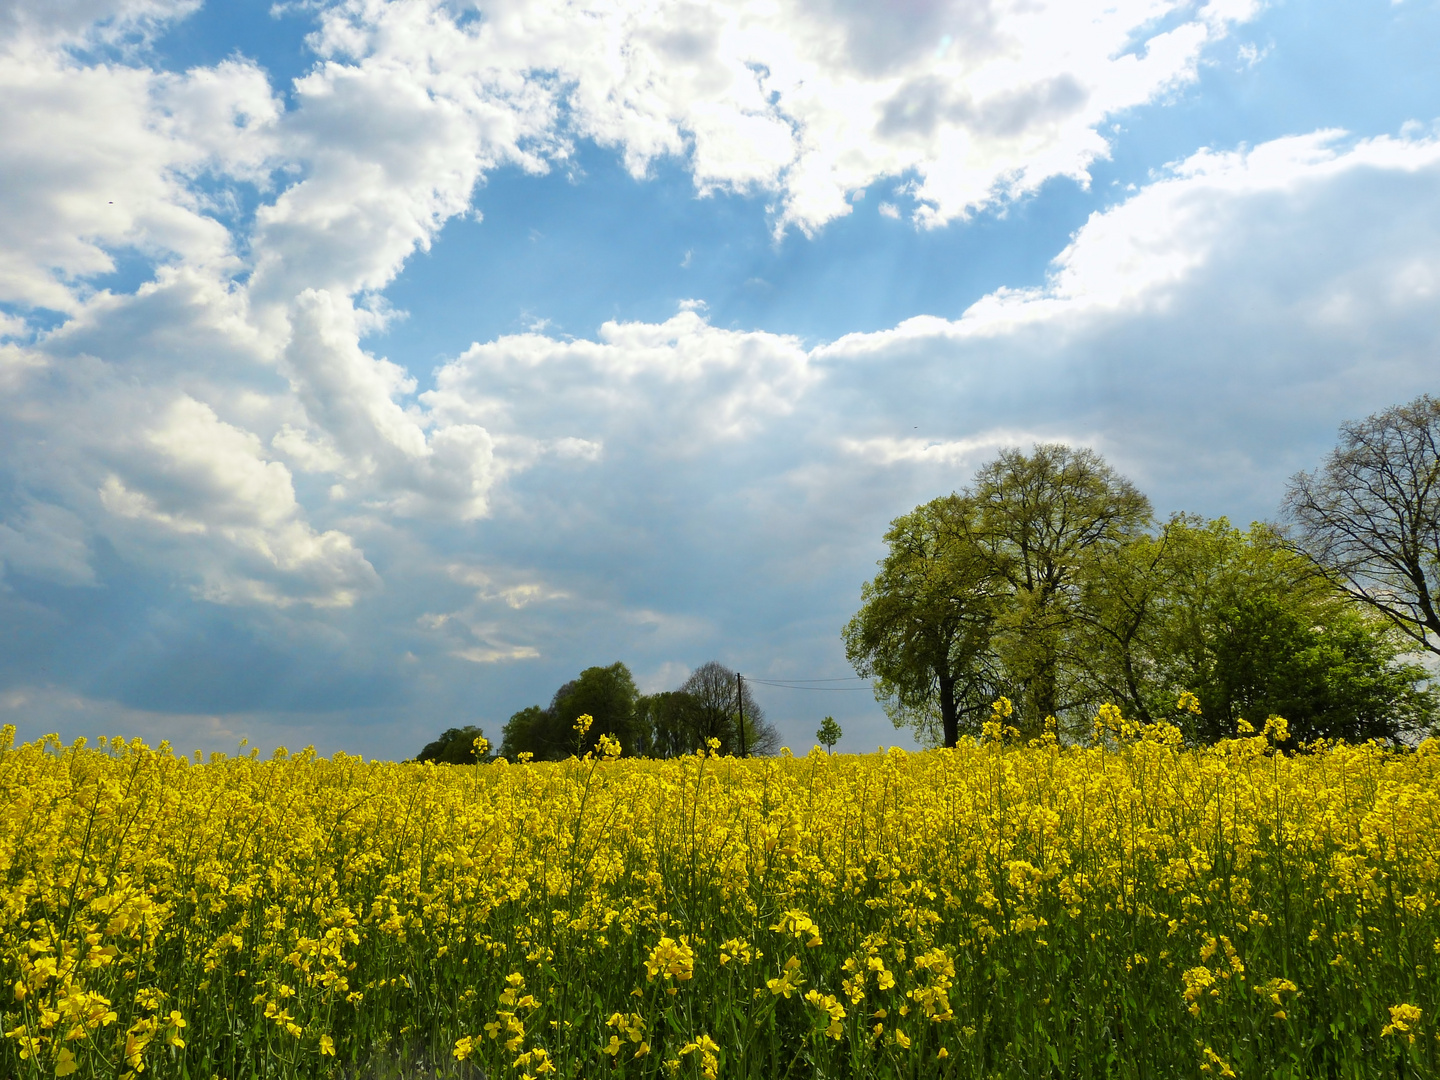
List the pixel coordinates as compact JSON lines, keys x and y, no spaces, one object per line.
{"x":372,"y":367}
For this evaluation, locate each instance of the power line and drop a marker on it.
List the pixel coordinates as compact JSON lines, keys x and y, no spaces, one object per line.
{"x":817,"y":689}
{"x":843,"y":678}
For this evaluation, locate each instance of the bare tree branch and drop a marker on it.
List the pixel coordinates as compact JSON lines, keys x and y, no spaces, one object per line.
{"x":1370,"y":517}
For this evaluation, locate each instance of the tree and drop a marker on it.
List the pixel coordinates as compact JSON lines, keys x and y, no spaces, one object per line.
{"x":667,"y":725}
{"x":829,"y":733}
{"x":526,"y":732}
{"x":607,"y":694}
{"x":1046,"y":583}
{"x":455,"y":746}
{"x":1247,"y":625}
{"x":712,"y":689}
{"x":1124,"y":593}
{"x":923,"y":632}
{"x":1370,"y":517}
{"x":1040,"y":518}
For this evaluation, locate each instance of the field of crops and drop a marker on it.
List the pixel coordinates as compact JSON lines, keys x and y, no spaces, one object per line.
{"x":1128,"y":909}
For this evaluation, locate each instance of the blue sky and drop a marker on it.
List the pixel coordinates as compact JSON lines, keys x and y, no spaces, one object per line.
{"x":374,"y":366}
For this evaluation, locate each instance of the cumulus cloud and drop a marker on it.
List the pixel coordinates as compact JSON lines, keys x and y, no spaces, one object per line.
{"x":260,"y":319}
{"x":1199,"y":327}
{"x":195,"y":480}
{"x":815,"y":99}
{"x":681,"y":382}
{"x":29,"y":22}
{"x":97,"y":162}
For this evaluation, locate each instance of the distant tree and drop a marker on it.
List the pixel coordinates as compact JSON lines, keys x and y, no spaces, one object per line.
{"x":1370,"y":517}
{"x":527,"y":732}
{"x":926,"y":623}
{"x":829,"y":734}
{"x":607,"y":694}
{"x":667,"y":724}
{"x":455,"y":746}
{"x":712,"y":690}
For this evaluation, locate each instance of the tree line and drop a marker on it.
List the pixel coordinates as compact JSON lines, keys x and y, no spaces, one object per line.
{"x":709,"y":705}
{"x":1048,"y":581}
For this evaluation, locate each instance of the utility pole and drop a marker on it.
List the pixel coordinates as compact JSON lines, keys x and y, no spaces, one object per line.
{"x":740,"y":704}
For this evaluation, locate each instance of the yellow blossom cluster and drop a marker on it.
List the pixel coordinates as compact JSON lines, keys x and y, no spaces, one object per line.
{"x":1133,"y":907}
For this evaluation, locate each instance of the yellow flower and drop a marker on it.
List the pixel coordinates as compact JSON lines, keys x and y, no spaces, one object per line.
{"x":789,"y":981}
{"x":327,"y":1047}
{"x":671,"y":959}
{"x":708,"y":1050}
{"x":1211,"y":1061}
{"x":1402,"y":1019}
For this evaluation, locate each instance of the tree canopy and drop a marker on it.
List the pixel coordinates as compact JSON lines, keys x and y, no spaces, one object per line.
{"x":455,"y":746}
{"x":1047,"y":582}
{"x":606,"y":694}
{"x":666,"y":724}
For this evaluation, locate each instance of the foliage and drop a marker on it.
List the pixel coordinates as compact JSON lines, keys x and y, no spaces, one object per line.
{"x":1042,"y":585}
{"x":456,"y":746}
{"x":1244,"y":623}
{"x":1041,"y":520}
{"x":606,"y":694}
{"x":926,"y":623}
{"x":1127,"y":909}
{"x":829,"y":733}
{"x":668,"y":724}
{"x":1370,"y":517}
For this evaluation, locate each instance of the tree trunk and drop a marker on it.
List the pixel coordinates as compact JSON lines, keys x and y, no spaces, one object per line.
{"x":1045,"y":695}
{"x":949,"y":716}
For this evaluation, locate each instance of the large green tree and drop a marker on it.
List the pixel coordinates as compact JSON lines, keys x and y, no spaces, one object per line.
{"x":1042,"y":582}
{"x":1250,"y":627}
{"x":924,"y":630}
{"x":1041,"y":518}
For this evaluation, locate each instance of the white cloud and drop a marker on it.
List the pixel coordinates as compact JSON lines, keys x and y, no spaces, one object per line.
{"x":813,"y":100}
{"x":96,"y":160}
{"x":385,"y":142}
{"x":1142,"y":253}
{"x":495,"y":654}
{"x":31,"y":22}
{"x":950,"y":454}
{"x":681,"y":382}
{"x":514,"y":591}
{"x":193,"y":479}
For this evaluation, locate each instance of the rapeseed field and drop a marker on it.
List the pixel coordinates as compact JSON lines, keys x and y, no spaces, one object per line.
{"x":1127,"y":908}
